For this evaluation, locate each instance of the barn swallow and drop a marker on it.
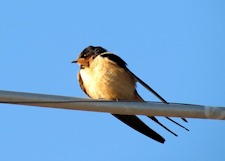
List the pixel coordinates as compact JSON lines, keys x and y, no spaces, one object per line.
{"x":104,"y":75}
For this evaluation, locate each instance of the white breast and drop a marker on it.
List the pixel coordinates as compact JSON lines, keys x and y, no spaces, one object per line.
{"x":105,"y":80}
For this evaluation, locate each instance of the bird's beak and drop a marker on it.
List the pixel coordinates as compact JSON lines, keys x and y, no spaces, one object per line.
{"x":75,"y":61}
{"x":80,"y":61}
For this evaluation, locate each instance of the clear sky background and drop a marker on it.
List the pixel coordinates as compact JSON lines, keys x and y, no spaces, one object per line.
{"x":177,"y":47}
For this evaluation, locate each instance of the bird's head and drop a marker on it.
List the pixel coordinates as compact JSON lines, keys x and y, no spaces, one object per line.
{"x":88,"y":54}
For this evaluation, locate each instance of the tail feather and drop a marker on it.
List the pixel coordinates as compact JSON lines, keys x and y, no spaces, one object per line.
{"x":177,"y":124}
{"x":135,"y":123}
{"x":156,"y":120}
{"x":152,"y":91}
{"x":139,"y":98}
{"x":185,"y":120}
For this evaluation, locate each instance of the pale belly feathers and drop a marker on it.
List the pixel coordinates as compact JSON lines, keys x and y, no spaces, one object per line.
{"x":108,"y":81}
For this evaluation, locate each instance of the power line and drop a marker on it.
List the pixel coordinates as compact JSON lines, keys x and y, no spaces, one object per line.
{"x":115,"y":107}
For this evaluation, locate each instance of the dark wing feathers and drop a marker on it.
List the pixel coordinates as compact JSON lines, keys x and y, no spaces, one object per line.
{"x":149,"y":88}
{"x":116,"y":59}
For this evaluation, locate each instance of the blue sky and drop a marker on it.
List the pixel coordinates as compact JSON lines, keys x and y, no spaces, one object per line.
{"x":177,"y":47}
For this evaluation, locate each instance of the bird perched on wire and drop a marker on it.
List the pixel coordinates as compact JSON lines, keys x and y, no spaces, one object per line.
{"x":104,"y":75}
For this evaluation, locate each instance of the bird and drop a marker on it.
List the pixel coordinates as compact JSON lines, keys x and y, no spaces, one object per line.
{"x":104,"y":75}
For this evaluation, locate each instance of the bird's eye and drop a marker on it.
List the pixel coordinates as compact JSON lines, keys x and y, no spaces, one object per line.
{"x":84,"y":55}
